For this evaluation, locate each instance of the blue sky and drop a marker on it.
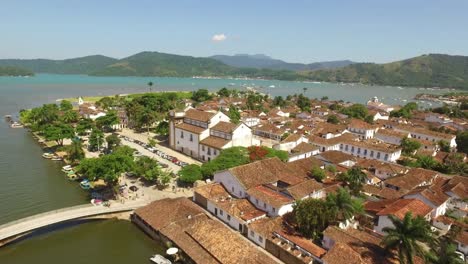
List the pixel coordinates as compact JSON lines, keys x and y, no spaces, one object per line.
{"x":292,"y":30}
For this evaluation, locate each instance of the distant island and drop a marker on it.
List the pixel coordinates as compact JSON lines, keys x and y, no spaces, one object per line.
{"x":433,"y":70}
{"x":14,"y":71}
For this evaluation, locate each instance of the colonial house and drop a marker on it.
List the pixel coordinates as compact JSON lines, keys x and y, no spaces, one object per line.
{"x":237,"y":213}
{"x":431,"y":196}
{"x":437,"y":118}
{"x":319,"y":111}
{"x":362,"y":129}
{"x":383,"y":170}
{"x":399,"y":208}
{"x":302,"y":150}
{"x":270,"y":185}
{"x":371,"y":149}
{"x":290,"y":142}
{"x":203,"y":135}
{"x":425,"y":134}
{"x":88,"y":110}
{"x":391,"y":136}
{"x":379,"y":115}
{"x":414,"y":178}
{"x":224,"y":135}
{"x":269,"y":131}
{"x":328,"y":130}
{"x":251,"y":117}
{"x":374,"y":103}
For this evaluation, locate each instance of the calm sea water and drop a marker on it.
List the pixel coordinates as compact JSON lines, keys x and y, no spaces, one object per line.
{"x":30,"y":184}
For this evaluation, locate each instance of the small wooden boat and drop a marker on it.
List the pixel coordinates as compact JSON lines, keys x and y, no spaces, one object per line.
{"x":85,"y":185}
{"x":47,"y":155}
{"x":160,"y":260}
{"x":56,"y":158}
{"x":16,"y":125}
{"x":67,"y":168}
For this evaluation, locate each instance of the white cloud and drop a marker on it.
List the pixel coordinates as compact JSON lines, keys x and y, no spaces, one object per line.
{"x":219,"y":37}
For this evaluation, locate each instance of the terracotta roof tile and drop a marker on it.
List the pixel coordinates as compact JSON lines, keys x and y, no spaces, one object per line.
{"x":215,"y":142}
{"x":190,"y":128}
{"x":402,"y":206}
{"x":226,"y":127}
{"x":433,"y":194}
{"x":199,"y":115}
{"x":302,"y":148}
{"x":341,"y":254}
{"x":269,"y":196}
{"x":303,"y":189}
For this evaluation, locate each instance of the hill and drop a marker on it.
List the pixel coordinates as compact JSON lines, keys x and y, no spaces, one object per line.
{"x":14,"y":71}
{"x":433,"y":70}
{"x":83,"y":65}
{"x":260,"y":61}
{"x":162,"y":64}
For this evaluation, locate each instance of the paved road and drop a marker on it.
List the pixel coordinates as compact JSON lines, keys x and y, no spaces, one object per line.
{"x":41,"y":220}
{"x":144,"y":138}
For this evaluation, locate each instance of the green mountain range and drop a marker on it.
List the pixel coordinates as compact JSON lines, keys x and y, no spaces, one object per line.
{"x":83,"y":65}
{"x":433,"y":70}
{"x":261,"y":61}
{"x":14,"y":71}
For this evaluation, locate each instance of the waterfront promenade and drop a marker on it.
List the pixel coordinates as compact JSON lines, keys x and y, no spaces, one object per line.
{"x":12,"y":230}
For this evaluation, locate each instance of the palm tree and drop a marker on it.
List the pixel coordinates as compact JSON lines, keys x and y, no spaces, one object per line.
{"x":343,"y":206}
{"x":444,"y":253}
{"x":406,"y":237}
{"x":75,"y":150}
{"x":355,"y":178}
{"x":150,"y":84}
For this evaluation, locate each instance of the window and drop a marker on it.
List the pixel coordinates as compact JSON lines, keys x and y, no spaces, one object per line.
{"x":214,"y":151}
{"x":232,"y":189}
{"x":203,"y":148}
{"x":365,"y":152}
{"x":346,"y":148}
{"x":229,"y":218}
{"x":274,"y":210}
{"x":352,"y":149}
{"x":386,"y":157}
{"x":341,"y":146}
{"x":209,"y":151}
{"x":260,"y":239}
{"x":264,"y":205}
{"x":378,"y":155}
{"x":372,"y":153}
{"x":181,"y":134}
{"x":359,"y":151}
{"x":256,"y":200}
{"x":221,"y":212}
{"x":191,"y":137}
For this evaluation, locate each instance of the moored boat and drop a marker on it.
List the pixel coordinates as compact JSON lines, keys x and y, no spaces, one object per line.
{"x":67,"y":168}
{"x":160,"y":259}
{"x":16,"y":125}
{"x":84,"y":184}
{"x":47,"y":155}
{"x":56,"y":158}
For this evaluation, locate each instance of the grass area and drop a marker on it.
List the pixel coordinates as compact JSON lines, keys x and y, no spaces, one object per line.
{"x":93,"y":99}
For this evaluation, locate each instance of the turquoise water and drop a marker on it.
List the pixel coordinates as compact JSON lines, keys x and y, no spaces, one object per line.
{"x":30,"y":184}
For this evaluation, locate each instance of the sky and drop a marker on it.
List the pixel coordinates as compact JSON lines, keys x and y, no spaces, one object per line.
{"x":292,"y":30}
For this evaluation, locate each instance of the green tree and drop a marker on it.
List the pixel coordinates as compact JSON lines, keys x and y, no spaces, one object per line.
{"x":234,"y":114}
{"x":333,"y":119}
{"x":58,"y":132}
{"x":279,"y":101}
{"x":426,"y":162}
{"x":462,"y":142}
{"x":84,"y":125}
{"x":224,"y":92}
{"x":162,"y":128}
{"x":190,"y":174}
{"x":75,"y":151}
{"x":107,"y":121}
{"x":343,"y":206}
{"x":228,"y":158}
{"x":312,"y":216}
{"x":303,"y":103}
{"x":148,"y":168}
{"x":444,"y":145}
{"x":355,"y":179}
{"x":369,"y":119}
{"x":324,"y":98}
{"x":318,"y":174}
{"x":113,"y":141}
{"x":355,"y":111}
{"x":409,"y":146}
{"x":69,"y":117}
{"x":48,"y":114}
{"x":150,"y":85}
{"x":96,"y":140}
{"x":406,"y":111}
{"x":65,"y":106}
{"x":201,"y":95}
{"x":406,"y":235}
{"x":164,"y":178}
{"x":444,"y":253}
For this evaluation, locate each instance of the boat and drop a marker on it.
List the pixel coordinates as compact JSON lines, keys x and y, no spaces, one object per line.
{"x":67,"y":168}
{"x":56,"y":158}
{"x":84,"y":184}
{"x":16,"y":125}
{"x":160,"y":259}
{"x":72,"y":177}
{"x":47,"y":155}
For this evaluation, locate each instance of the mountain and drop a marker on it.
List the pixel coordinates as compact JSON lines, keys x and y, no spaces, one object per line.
{"x":260,"y":61}
{"x":14,"y":71}
{"x":432,"y":70}
{"x":162,"y":64}
{"x":83,"y":65}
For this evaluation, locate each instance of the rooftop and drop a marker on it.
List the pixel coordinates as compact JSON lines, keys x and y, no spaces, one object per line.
{"x":199,"y":115}
{"x":400,"y":207}
{"x":215,"y":142}
{"x":190,"y":128}
{"x":226,"y":127}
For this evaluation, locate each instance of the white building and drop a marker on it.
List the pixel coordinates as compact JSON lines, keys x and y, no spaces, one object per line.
{"x":371,"y":149}
{"x":374,"y":103}
{"x":425,"y":134}
{"x":431,"y":196}
{"x":362,"y":129}
{"x":391,"y":136}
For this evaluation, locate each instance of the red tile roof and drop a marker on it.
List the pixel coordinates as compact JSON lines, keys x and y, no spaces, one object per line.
{"x":199,"y":115}
{"x":402,"y":206}
{"x":215,"y":142}
{"x":190,"y":128}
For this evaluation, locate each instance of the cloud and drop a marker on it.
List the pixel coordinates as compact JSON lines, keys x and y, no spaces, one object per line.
{"x":219,"y":37}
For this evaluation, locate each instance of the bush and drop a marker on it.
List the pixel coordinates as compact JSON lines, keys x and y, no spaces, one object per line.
{"x":190,"y":174}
